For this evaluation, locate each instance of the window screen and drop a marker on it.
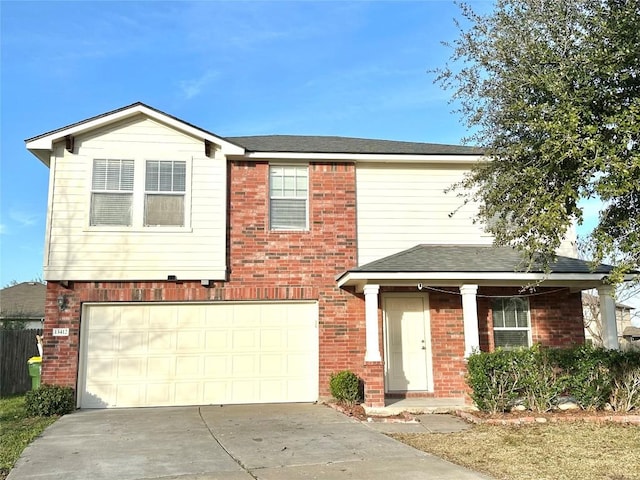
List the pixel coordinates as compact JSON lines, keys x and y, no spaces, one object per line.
{"x":164,"y":193}
{"x":511,"y":325}
{"x":111,"y":192}
{"x":288,"y":188}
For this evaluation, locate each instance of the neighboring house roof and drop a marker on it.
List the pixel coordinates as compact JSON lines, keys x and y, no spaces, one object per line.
{"x":24,"y":300}
{"x":632,"y":333}
{"x":589,"y":299}
{"x":470,"y":262}
{"x":322,"y":144}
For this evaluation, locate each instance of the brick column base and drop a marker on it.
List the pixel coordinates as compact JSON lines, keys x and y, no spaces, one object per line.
{"x":373,"y":384}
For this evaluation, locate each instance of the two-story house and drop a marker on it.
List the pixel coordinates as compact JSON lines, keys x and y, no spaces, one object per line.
{"x":185,"y":268}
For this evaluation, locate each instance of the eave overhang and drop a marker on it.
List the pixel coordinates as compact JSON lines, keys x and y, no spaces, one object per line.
{"x":42,"y":145}
{"x":573,"y":281}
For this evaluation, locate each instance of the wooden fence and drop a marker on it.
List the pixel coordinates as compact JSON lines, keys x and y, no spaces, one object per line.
{"x":16,"y":347}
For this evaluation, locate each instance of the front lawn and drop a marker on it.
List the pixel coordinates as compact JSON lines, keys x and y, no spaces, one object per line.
{"x":17,"y":430}
{"x":562,"y":451}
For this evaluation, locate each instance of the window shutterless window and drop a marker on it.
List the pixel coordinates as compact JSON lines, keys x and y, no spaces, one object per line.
{"x":111,"y":192}
{"x":288,"y":195}
{"x":511,"y":323}
{"x":165,"y":185}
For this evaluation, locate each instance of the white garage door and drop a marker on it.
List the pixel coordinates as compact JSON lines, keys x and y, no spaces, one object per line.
{"x":135,"y":355}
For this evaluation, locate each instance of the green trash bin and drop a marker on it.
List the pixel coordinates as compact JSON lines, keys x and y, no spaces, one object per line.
{"x":35,"y":369}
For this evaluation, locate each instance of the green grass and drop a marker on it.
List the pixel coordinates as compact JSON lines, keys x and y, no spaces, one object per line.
{"x":17,"y":430}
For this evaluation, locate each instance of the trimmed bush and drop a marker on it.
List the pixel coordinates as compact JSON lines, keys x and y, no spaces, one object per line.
{"x":536,"y":377}
{"x":49,"y":400}
{"x":495,"y":379}
{"x":588,"y":375}
{"x":345,"y":387}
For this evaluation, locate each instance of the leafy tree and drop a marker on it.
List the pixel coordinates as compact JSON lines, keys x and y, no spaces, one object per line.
{"x":551,"y":90}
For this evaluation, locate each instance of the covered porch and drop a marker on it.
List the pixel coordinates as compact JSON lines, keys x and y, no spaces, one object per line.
{"x":428,"y":308}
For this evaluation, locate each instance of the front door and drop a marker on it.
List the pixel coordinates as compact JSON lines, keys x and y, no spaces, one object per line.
{"x":407,"y":343}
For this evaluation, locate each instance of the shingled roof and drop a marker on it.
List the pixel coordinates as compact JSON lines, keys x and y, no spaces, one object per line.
{"x":24,"y":300}
{"x":471,"y":258}
{"x":324,"y":144}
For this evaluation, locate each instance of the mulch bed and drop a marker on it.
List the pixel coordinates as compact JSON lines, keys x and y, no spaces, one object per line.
{"x":507,"y":418}
{"x":527,"y":417}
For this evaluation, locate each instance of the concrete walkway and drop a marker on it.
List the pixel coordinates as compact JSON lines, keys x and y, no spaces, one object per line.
{"x":269,"y":442}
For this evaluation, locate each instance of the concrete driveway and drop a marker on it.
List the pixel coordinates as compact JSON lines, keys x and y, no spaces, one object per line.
{"x":239,"y":442}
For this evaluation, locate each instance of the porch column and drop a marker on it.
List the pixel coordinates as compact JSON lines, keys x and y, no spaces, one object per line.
{"x":470,"y":318}
{"x":372,"y":353}
{"x":608,"y":317}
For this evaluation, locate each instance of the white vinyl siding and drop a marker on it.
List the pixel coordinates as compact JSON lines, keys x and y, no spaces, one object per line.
{"x":76,"y":250}
{"x":288,"y":191}
{"x":165,"y":186}
{"x":511,"y":323}
{"x":112,"y":192}
{"x":404,"y":205}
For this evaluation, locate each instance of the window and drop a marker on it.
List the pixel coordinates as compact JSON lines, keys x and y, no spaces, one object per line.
{"x":164,"y":193}
{"x":111,"y":192}
{"x":511,"y":325}
{"x":288,"y":188}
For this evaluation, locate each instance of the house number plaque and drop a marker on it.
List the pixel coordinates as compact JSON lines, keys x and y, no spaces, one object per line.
{"x":60,"y":332}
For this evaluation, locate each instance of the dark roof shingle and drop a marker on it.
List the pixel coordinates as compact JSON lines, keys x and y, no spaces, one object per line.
{"x":471,"y":258}
{"x":324,"y":144}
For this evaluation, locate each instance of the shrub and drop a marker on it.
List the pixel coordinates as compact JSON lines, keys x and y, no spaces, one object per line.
{"x":495,"y":379}
{"x":537,"y":376}
{"x":49,"y":400}
{"x":345,"y":387}
{"x":625,"y":390}
{"x":588,"y":375}
{"x":543,"y":381}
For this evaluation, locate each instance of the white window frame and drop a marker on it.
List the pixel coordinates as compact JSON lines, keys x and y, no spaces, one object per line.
{"x":139,"y":192}
{"x":273,"y":196}
{"x":170,"y":192}
{"x":120,"y":191}
{"x":496,"y":311}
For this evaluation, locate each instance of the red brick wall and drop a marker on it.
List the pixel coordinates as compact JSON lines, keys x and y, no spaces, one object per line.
{"x":556,"y":317}
{"x":263,"y":265}
{"x":447,"y":344}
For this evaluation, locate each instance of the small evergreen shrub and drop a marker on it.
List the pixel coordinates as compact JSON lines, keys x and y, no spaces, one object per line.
{"x":495,"y":379}
{"x":543,"y":382}
{"x":536,"y":377}
{"x":345,"y":387}
{"x":588,"y":375}
{"x":625,"y":390}
{"x":49,"y":400}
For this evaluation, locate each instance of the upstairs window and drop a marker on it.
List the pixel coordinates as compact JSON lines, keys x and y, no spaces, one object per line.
{"x":288,"y":192}
{"x":111,"y":192}
{"x":165,"y":185}
{"x":511,"y":323}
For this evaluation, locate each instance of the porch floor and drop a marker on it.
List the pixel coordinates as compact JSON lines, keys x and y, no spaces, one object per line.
{"x":394,"y":406}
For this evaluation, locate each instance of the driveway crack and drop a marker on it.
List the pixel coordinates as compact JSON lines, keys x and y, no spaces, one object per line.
{"x":240,"y":464}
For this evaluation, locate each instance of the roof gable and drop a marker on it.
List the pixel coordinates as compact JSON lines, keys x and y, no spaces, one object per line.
{"x":42,"y":145}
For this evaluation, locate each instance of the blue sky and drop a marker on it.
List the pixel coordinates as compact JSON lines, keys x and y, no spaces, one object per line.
{"x":235,"y":68}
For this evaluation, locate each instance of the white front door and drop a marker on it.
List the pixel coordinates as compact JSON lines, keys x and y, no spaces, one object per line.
{"x":407,"y":343}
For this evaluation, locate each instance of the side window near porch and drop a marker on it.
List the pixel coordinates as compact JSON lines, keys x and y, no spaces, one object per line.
{"x":511,"y":322}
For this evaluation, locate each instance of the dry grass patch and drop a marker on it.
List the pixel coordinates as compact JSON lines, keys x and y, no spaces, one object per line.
{"x":569,"y":451}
